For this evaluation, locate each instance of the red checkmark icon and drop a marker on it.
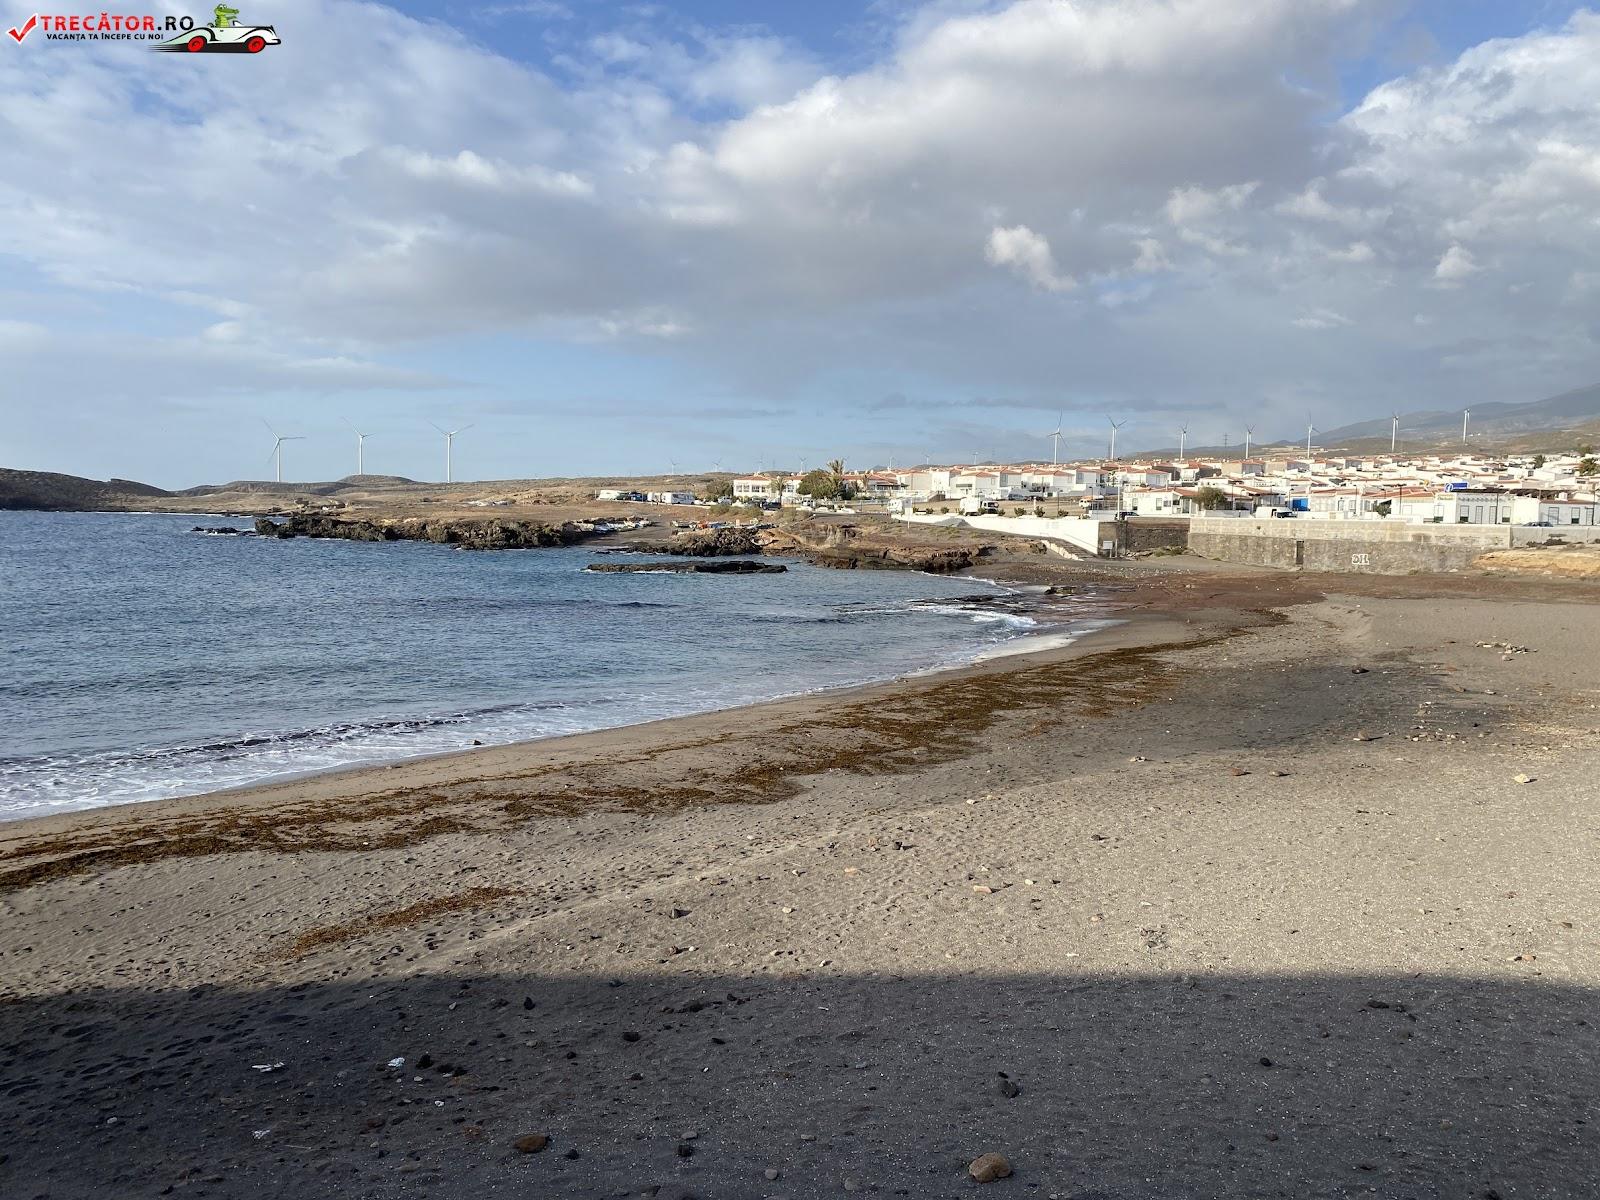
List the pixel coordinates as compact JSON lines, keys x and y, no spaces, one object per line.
{"x":26,"y":29}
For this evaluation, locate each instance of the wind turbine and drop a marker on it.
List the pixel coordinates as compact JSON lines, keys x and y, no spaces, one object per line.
{"x":361,"y":441}
{"x":1183,"y":435}
{"x":1055,"y":443}
{"x":1115,"y":425}
{"x":449,"y":441}
{"x":1310,"y":429}
{"x":277,"y":446}
{"x":1394,"y":432}
{"x":1465,"y":418}
{"x":1249,"y":432}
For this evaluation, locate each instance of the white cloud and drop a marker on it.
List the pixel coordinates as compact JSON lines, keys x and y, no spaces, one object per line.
{"x":723,"y":199}
{"x":1455,"y":265}
{"x":1322,"y":318}
{"x":1028,"y":254}
{"x":1152,"y":256}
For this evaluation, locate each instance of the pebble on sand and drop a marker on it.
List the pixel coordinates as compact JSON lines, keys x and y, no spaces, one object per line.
{"x":987,"y":1168}
{"x":530,"y":1143}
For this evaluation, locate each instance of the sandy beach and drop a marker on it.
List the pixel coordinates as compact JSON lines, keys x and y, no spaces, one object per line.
{"x":1280,"y":887}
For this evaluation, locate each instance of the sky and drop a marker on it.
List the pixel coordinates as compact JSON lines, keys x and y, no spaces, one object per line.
{"x":624,"y":238}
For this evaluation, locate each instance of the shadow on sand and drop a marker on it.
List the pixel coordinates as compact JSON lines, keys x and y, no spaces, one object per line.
{"x":1124,"y":1087}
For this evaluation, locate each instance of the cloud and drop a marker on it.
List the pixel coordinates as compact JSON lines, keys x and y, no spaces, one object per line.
{"x":1028,"y":254}
{"x":1355,"y":252}
{"x":1456,"y":264}
{"x":718,"y":204}
{"x":1322,"y":318}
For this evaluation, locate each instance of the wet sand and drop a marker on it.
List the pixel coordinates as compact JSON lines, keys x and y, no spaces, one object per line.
{"x":1241,"y":898}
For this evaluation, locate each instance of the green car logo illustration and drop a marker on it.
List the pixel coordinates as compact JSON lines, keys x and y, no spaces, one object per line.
{"x":224,"y":35}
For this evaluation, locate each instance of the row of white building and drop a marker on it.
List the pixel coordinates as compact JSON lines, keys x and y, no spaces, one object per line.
{"x":1450,"y":489}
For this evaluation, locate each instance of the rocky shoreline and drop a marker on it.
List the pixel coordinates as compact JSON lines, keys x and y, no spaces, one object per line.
{"x":840,"y":547}
{"x":488,"y":534}
{"x":737,"y":566}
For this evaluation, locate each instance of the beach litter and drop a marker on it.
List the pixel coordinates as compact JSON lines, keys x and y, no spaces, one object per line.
{"x":277,"y":1066}
{"x":396,"y":1063}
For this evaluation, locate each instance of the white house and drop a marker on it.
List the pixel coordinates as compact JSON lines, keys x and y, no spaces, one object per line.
{"x":755,"y":487}
{"x":1530,"y":510}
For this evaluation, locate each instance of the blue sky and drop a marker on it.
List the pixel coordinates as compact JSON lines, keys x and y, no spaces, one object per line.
{"x":618,"y":237}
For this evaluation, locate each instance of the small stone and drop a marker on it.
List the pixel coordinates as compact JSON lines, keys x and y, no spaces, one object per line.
{"x":685,"y":1150}
{"x":1358,"y":670}
{"x":527,"y":1002}
{"x":424,"y":1062}
{"x":1007,"y":1088}
{"x":988,"y":1167}
{"x":982,"y":890}
{"x":1522,"y":779}
{"x":1280,"y":774}
{"x":530,"y":1143}
{"x":1237,"y":771}
{"x":772,"y":1173}
{"x":631,"y":1036}
{"x":572,"y":1153}
{"x":1265,"y":1061}
{"x":679,"y":912}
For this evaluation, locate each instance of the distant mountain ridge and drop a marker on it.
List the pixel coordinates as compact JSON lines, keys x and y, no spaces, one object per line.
{"x":1504,"y":426}
{"x":50,"y":492}
{"x":1497,"y":419}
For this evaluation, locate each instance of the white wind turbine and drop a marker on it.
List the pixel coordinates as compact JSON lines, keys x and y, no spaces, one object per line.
{"x":277,"y":446}
{"x":1466,"y":418}
{"x":449,"y":442}
{"x":361,"y":445}
{"x":1310,"y":429}
{"x":1183,"y":439}
{"x":1249,"y":432}
{"x":1394,"y":432}
{"x":1055,"y":441}
{"x":1115,"y":425}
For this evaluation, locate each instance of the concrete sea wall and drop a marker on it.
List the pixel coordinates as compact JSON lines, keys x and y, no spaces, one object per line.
{"x":1380,"y":547}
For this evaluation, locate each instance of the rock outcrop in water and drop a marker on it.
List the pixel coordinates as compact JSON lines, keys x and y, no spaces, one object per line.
{"x":712,"y":543}
{"x":736,"y":566}
{"x":490,"y":533}
{"x":843,"y":548}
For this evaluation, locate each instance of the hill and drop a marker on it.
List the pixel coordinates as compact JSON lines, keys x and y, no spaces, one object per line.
{"x":47,"y":491}
{"x":1557,"y":423}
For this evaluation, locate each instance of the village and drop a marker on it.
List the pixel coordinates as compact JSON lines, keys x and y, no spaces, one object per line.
{"x":1476,"y":488}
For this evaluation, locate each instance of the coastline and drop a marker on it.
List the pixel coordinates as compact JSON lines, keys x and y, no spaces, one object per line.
{"x":494,"y":761}
{"x":1218,"y":899}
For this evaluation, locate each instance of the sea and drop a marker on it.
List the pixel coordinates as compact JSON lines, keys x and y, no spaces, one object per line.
{"x":140,"y":660}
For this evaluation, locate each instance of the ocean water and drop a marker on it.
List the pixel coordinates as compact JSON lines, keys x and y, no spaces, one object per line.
{"x":139,"y":660}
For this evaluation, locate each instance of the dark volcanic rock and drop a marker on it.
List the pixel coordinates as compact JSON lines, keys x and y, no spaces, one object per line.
{"x":470,"y":534}
{"x":712,"y":543}
{"x":736,"y":567}
{"x":217,"y":529}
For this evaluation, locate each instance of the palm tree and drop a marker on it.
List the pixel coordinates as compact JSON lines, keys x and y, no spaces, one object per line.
{"x":836,"y":466}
